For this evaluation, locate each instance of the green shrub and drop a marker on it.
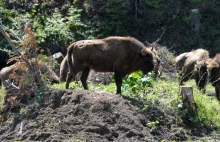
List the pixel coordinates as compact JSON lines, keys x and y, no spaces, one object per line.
{"x":135,"y":83}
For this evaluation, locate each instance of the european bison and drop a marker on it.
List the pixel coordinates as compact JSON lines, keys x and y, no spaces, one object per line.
{"x":121,"y":55}
{"x":180,"y":61}
{"x":17,"y":67}
{"x":186,"y":63}
{"x":214,"y":74}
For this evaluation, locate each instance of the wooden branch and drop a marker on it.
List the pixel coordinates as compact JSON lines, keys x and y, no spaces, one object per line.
{"x":188,"y":100}
{"x":9,"y":40}
{"x":148,"y":43}
{"x":160,"y":37}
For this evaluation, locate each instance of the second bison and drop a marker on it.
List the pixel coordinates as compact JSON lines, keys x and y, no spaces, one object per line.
{"x":190,"y":65}
{"x":121,"y":55}
{"x":19,"y":69}
{"x":214,"y":74}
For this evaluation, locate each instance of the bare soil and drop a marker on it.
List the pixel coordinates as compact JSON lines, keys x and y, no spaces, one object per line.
{"x":94,"y":116}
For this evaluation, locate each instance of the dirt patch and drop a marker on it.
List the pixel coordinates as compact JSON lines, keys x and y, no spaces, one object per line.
{"x":100,"y":77}
{"x":88,"y":116}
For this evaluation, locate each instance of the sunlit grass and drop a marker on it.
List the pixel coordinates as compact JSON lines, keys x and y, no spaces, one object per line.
{"x":108,"y":88}
{"x":169,"y":98}
{"x":2,"y":94}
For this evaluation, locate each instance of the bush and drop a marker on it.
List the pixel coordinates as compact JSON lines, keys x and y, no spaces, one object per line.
{"x":134,"y":84}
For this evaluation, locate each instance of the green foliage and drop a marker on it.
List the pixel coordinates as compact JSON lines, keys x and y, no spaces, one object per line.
{"x":61,"y":24}
{"x":6,"y":14}
{"x":208,"y":108}
{"x":2,"y":94}
{"x":114,"y":23}
{"x":135,"y":83}
{"x":61,"y":29}
{"x":58,"y":29}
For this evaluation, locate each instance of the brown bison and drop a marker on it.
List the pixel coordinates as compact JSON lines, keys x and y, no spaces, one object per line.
{"x":189,"y":66}
{"x":121,"y":55}
{"x":17,"y":67}
{"x":214,"y":74}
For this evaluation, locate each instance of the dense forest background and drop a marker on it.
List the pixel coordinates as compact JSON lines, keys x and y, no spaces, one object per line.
{"x":57,"y":23}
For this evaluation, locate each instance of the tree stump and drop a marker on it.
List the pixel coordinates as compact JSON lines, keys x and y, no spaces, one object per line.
{"x":187,"y":98}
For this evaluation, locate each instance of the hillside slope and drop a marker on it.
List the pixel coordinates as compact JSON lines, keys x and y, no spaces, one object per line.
{"x":90,"y":116}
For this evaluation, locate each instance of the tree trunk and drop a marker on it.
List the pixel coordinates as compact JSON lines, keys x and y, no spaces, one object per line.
{"x":188,"y":100}
{"x":9,"y":40}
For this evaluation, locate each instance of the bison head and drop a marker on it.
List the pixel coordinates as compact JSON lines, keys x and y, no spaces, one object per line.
{"x":213,"y":70}
{"x":201,"y":69}
{"x":147,"y":62}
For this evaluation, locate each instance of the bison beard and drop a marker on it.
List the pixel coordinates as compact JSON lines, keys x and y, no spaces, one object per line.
{"x":121,"y":55}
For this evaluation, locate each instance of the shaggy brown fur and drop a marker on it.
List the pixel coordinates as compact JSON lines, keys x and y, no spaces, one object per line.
{"x":7,"y":71}
{"x":64,"y":71}
{"x":122,"y":55}
{"x":180,"y":61}
{"x":214,"y":74}
{"x":185,"y":64}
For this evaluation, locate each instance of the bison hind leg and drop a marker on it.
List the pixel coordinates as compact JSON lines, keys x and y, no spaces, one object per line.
{"x":118,"y":81}
{"x":84,"y":76}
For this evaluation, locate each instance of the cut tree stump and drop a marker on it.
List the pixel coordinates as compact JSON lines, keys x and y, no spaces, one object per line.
{"x":187,"y":98}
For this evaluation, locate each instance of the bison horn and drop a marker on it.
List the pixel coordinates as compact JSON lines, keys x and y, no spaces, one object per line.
{"x":143,"y":52}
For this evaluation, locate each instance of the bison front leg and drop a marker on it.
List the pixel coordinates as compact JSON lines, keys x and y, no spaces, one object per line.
{"x":84,"y":77}
{"x":118,"y":81}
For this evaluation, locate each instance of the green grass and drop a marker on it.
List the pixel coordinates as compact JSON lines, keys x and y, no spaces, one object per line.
{"x":167,"y":94}
{"x":2,"y":94}
{"x":109,"y":88}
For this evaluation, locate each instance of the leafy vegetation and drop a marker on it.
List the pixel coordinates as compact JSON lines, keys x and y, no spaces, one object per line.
{"x":28,"y":75}
{"x":54,"y":30}
{"x":2,"y":94}
{"x":56,"y":25}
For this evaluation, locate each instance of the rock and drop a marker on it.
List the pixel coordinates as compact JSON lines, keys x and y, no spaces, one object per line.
{"x":58,"y":57}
